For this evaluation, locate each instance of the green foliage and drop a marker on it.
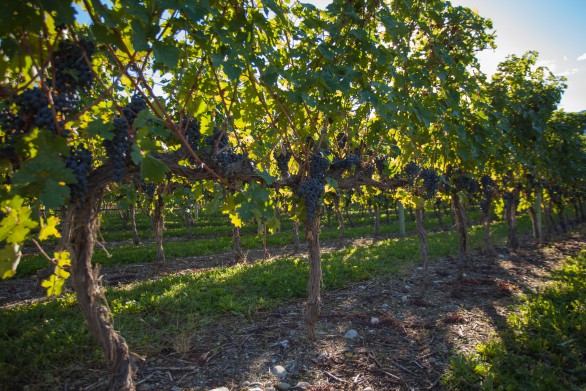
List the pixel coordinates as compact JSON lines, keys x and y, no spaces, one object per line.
{"x":544,"y":345}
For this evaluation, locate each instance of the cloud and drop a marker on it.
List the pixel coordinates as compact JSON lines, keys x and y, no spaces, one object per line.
{"x":582,"y":57}
{"x":549,"y":64}
{"x":568,"y":72}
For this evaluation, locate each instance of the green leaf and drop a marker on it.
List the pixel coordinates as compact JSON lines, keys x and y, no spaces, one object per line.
{"x":166,"y":53}
{"x":46,"y":175}
{"x":100,"y":128}
{"x":268,"y":178}
{"x":152,"y":169}
{"x":273,"y":224}
{"x":333,"y":183}
{"x":9,"y":259}
{"x":62,"y":11}
{"x":54,"y":194}
{"x":136,"y":155}
{"x":139,"y":40}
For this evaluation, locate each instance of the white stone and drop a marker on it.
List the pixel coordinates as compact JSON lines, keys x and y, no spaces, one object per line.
{"x":374,"y":320}
{"x":404,"y":299}
{"x":351,"y":334}
{"x":221,"y":389}
{"x":282,"y":386}
{"x":279,"y":372}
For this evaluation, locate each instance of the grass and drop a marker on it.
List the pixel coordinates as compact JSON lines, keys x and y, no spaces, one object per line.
{"x":144,"y":253}
{"x":543,"y":346}
{"x":39,"y":342}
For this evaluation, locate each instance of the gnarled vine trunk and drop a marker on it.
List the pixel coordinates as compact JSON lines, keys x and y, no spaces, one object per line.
{"x":347,"y":212}
{"x":422,"y":235}
{"x":90,"y":294}
{"x":562,"y":216}
{"x":538,"y":215}
{"x":376,"y":232}
{"x":132,"y":215}
{"x":158,"y":226}
{"x":550,"y":222}
{"x":438,"y":213}
{"x":339,"y":216}
{"x":511,"y":201}
{"x":312,"y":306}
{"x":188,"y":222}
{"x":296,"y":244}
{"x":486,"y":224}
{"x":401,"y":218}
{"x":462,"y":228}
{"x":238,"y":254}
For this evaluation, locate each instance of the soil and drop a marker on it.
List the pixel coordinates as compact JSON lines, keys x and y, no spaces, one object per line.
{"x":402,"y":342}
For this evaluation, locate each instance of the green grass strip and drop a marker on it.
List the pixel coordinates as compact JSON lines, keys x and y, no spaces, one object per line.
{"x":543,"y":346}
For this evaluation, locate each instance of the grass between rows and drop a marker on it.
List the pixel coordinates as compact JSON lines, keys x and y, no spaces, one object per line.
{"x":39,"y":341}
{"x":130,"y":254}
{"x":543,"y":346}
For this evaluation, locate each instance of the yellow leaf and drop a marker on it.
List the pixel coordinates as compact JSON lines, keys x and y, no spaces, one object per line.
{"x":49,"y":229}
{"x":63,"y":258}
{"x":235,"y":219}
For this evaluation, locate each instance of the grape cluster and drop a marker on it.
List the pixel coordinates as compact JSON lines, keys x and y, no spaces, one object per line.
{"x":11,"y":124}
{"x":80,"y":162}
{"x":31,"y":101}
{"x":72,"y":74}
{"x":193,"y":133}
{"x":318,"y":166}
{"x":381,"y":164}
{"x":149,"y":189}
{"x":411,"y":170}
{"x":467,"y":184}
{"x":119,"y":147}
{"x":70,"y":67}
{"x":130,"y":111}
{"x":346,"y":163}
{"x":487,"y":184}
{"x":488,"y":188}
{"x":217,"y":141}
{"x":282,"y":162}
{"x":430,"y":182}
{"x":311,"y":190}
{"x":227,"y":157}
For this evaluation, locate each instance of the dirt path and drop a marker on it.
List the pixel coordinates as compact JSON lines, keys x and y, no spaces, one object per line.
{"x":401,"y":343}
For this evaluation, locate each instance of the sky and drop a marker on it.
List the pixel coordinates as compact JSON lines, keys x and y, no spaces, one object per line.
{"x":556,"y":29}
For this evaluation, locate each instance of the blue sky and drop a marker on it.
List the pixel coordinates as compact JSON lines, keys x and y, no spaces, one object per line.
{"x":554,"y":28}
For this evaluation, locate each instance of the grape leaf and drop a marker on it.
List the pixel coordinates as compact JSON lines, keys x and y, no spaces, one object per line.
{"x":153,"y":169}
{"x":9,"y":259}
